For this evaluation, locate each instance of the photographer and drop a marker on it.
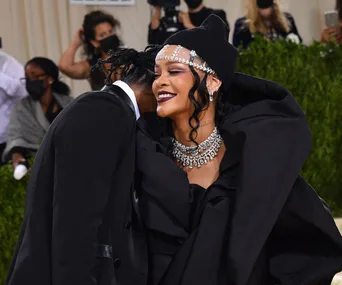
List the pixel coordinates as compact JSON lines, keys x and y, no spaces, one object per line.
{"x":173,"y":21}
{"x":265,"y":18}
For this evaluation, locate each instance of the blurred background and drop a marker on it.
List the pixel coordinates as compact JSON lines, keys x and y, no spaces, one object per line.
{"x":46,"y":27}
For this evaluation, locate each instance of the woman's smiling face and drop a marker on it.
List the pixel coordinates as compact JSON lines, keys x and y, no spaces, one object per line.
{"x":173,"y":83}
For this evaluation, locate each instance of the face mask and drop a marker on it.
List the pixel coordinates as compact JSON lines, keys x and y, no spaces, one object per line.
{"x":35,"y":88}
{"x":110,"y":43}
{"x":193,"y":4}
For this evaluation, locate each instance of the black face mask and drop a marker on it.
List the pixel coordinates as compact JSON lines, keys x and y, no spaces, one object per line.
{"x":193,"y":4}
{"x":35,"y":88}
{"x":110,"y":43}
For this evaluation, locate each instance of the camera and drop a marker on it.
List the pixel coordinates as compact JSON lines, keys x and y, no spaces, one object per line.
{"x":170,"y":21}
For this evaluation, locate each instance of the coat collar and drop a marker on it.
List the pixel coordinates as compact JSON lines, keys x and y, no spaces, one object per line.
{"x":120,"y":93}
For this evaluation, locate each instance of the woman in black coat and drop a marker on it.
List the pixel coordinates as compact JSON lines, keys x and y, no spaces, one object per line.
{"x":221,"y":197}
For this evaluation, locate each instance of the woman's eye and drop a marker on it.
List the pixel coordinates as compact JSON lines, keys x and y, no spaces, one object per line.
{"x":156,"y":75}
{"x":174,"y":72}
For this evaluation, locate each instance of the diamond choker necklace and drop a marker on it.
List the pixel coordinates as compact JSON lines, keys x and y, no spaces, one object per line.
{"x":196,"y":156}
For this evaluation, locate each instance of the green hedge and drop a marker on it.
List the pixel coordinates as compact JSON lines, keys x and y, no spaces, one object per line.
{"x":12,"y":201}
{"x":313,"y":75}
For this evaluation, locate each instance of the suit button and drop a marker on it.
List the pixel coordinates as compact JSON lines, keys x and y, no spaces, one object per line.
{"x":117,"y":262}
{"x":128,"y":225}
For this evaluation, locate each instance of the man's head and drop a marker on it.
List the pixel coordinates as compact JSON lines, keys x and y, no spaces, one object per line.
{"x":137,"y":70}
{"x":265,"y":8}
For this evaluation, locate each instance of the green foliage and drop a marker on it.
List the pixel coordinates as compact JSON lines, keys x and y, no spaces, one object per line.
{"x":313,"y":74}
{"x":12,"y":201}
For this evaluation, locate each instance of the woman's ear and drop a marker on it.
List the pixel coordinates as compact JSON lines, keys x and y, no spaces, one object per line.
{"x":213,"y":84}
{"x":50,"y":80}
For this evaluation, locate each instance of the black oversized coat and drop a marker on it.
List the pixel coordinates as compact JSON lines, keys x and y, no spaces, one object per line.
{"x":80,"y":200}
{"x":267,"y":226}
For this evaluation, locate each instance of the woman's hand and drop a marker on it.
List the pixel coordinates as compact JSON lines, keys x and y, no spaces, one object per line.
{"x":329,"y":33}
{"x":77,"y":42}
{"x":16,"y":159}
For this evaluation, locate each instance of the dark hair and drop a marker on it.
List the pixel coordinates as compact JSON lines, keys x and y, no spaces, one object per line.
{"x":339,"y":8}
{"x":136,"y":67}
{"x":201,"y":88}
{"x":51,"y":69}
{"x":91,"y":20}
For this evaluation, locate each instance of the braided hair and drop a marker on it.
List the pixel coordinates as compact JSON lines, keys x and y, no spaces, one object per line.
{"x":135,"y":67}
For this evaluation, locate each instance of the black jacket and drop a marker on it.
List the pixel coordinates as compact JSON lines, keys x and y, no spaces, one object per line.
{"x":260,"y":223}
{"x":80,"y":200}
{"x":242,"y":34}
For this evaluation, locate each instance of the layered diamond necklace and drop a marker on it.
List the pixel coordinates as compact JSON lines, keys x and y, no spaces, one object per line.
{"x":196,"y":156}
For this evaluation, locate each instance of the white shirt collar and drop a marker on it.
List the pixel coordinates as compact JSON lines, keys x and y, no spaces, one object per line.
{"x":128,"y":90}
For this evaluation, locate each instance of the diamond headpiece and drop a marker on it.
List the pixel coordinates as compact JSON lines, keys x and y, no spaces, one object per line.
{"x":175,"y":57}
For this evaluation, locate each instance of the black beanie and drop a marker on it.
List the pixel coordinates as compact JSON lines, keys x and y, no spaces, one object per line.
{"x":210,"y":41}
{"x":263,"y":4}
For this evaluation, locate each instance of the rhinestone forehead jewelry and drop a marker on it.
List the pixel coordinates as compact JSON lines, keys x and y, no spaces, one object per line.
{"x":175,"y":57}
{"x":196,"y":156}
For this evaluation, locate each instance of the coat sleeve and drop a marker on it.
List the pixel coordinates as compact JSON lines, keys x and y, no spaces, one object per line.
{"x":12,"y":86}
{"x":155,"y":36}
{"x":89,"y":144}
{"x":241,"y":34}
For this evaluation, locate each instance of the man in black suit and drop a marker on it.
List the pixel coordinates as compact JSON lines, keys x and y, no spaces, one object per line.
{"x":81,"y":224}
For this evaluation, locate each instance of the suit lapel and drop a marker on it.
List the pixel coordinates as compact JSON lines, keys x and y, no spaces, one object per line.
{"x":118,"y":92}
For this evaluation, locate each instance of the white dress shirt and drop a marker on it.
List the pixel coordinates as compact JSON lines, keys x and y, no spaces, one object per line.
{"x":11,"y":89}
{"x":128,"y":90}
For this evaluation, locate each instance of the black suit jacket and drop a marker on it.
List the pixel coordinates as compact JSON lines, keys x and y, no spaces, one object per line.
{"x":79,"y":200}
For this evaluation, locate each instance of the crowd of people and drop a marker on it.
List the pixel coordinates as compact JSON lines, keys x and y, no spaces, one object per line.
{"x":175,"y":169}
{"x":99,"y":34}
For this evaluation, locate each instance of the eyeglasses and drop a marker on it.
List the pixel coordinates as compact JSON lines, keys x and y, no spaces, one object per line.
{"x":36,"y":77}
